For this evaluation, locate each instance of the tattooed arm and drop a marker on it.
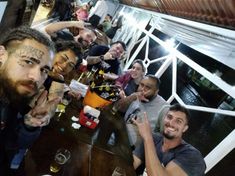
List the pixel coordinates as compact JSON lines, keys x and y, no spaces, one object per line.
{"x":42,"y":112}
{"x":52,"y":28}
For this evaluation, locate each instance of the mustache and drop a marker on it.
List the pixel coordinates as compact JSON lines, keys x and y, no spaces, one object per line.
{"x":30,"y":83}
{"x":82,"y":41}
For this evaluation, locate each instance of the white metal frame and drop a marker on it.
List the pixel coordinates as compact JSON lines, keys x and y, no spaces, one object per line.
{"x":228,"y":144}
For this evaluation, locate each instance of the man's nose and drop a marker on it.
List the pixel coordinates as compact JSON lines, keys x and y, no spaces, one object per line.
{"x":119,"y":51}
{"x":64,"y":65}
{"x":89,"y":41}
{"x":35,"y":74}
{"x":172,"y":122}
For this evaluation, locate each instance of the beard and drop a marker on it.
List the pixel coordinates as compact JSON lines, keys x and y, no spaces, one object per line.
{"x":9,"y":93}
{"x":149,"y":97}
{"x":84,"y":43}
{"x":168,"y":136}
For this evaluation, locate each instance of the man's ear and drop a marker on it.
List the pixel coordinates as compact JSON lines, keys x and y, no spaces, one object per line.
{"x":185,"y":128}
{"x":3,"y":53}
{"x":156,"y":91}
{"x":2,"y":48}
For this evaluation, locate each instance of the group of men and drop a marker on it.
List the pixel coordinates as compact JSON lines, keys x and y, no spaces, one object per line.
{"x":86,"y":35}
{"x":164,"y":152}
{"x":25,"y":60}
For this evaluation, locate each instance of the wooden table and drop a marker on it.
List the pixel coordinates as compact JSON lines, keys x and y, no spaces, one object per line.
{"x":91,"y":153}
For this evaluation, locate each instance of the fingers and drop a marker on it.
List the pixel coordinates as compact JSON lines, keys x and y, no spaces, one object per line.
{"x":145,"y":117}
{"x":122,"y":94}
{"x":145,"y":99}
{"x":36,"y":122}
{"x":139,"y":121}
{"x":112,"y":54}
{"x":80,"y":24}
{"x":39,"y":113}
{"x":45,"y":121}
{"x":76,"y":95}
{"x":87,"y":24}
{"x":42,"y":98}
{"x":141,"y":97}
{"x":30,"y":121}
{"x":41,"y":110}
{"x":53,"y":102}
{"x":109,"y":56}
{"x":134,"y":121}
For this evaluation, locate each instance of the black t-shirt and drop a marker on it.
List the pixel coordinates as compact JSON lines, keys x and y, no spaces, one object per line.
{"x":111,"y":32}
{"x":184,"y":155}
{"x":113,"y":65}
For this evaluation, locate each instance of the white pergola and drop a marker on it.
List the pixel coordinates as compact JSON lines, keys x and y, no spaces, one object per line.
{"x":228,"y":143}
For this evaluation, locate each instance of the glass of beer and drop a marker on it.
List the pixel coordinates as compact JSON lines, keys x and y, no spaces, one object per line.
{"x":61,"y":157}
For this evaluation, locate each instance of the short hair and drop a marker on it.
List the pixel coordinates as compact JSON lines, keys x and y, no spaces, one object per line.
{"x":157,"y":80}
{"x":25,"y":32}
{"x":178,"y":107}
{"x":140,"y":62}
{"x":63,"y":45}
{"x":121,"y":42}
{"x":110,"y":16}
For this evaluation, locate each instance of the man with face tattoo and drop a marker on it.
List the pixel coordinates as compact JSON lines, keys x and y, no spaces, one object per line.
{"x":26,"y":57}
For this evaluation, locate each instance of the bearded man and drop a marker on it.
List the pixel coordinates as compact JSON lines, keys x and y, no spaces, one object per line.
{"x":147,"y":100}
{"x":26,"y":57}
{"x":72,"y":30}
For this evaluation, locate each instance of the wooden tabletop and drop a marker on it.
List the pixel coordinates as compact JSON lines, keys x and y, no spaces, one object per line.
{"x":93,"y":151}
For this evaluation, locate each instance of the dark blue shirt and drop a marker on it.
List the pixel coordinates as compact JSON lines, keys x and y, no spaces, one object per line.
{"x":185,"y":156}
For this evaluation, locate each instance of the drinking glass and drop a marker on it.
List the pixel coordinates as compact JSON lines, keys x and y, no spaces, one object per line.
{"x":118,"y":171}
{"x":60,"y":110}
{"x":61,"y":157}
